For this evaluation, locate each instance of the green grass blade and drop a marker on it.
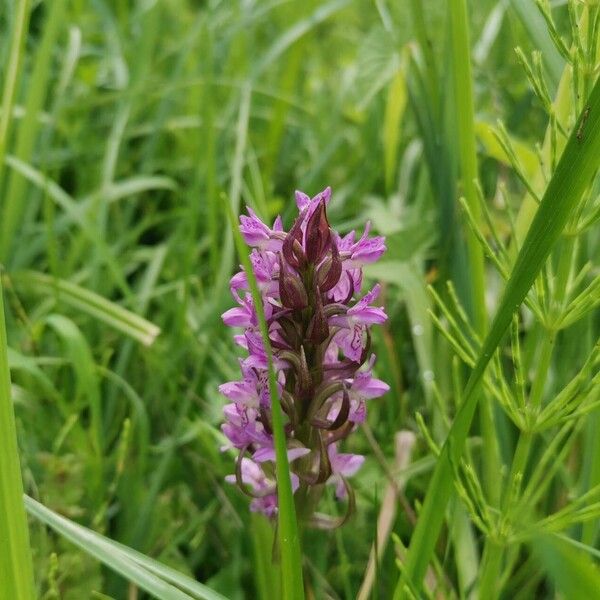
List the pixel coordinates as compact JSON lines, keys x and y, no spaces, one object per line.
{"x":577,"y":166}
{"x":289,"y":539}
{"x":16,"y":573}
{"x":91,"y":303}
{"x":15,"y":200}
{"x":465,"y":128}
{"x":75,"y":212}
{"x":13,"y":69}
{"x":392,"y":123}
{"x":296,"y":31}
{"x":572,"y":571}
{"x":157,"y":579}
{"x":534,"y":24}
{"x":117,"y":190}
{"x":465,"y":122}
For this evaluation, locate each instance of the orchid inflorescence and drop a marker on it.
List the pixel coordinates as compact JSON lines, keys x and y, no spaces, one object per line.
{"x":320,"y":338}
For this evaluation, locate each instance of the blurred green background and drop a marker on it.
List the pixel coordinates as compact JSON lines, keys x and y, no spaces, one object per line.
{"x":133,"y":123}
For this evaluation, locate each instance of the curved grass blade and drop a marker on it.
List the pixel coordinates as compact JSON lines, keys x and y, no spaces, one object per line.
{"x":16,"y":572}
{"x":295,"y":32}
{"x":76,"y":213}
{"x":467,"y":153}
{"x":157,"y":579}
{"x":578,"y":164}
{"x":289,"y":540}
{"x":91,"y":303}
{"x":117,"y":190}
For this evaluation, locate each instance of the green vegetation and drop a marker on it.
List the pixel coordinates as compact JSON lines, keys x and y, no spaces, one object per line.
{"x":467,"y":132}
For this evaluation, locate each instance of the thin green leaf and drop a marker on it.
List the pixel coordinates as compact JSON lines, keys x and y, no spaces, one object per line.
{"x":15,"y":199}
{"x":16,"y":573}
{"x":91,"y":303}
{"x":152,"y":576}
{"x":394,"y":110}
{"x":289,"y":540}
{"x":76,"y":212}
{"x":11,"y":76}
{"x":577,"y":166}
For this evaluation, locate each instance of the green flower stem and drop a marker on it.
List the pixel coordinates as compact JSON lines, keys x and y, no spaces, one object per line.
{"x":287,"y":524}
{"x":12,"y":71}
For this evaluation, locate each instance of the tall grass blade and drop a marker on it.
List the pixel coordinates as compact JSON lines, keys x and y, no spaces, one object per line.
{"x":91,"y":303}
{"x":13,"y":68}
{"x":287,"y":526}
{"x":465,"y":129}
{"x":157,"y":579}
{"x":578,"y":164}
{"x":28,"y":128}
{"x":465,"y":122}
{"x":16,"y":573}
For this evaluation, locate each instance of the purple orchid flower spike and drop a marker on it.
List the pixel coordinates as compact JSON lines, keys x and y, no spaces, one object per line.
{"x":308,"y":279}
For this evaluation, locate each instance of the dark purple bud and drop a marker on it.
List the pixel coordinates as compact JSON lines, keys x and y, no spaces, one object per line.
{"x":318,"y":329}
{"x":318,"y":234}
{"x":292,"y":240}
{"x":291,"y":290}
{"x":330,"y":271}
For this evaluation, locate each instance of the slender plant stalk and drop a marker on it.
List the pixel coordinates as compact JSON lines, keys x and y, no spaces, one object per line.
{"x":16,"y":572}
{"x":29,"y":125}
{"x":287,"y":526}
{"x":12,"y":77}
{"x":463,"y":92}
{"x":578,"y":164}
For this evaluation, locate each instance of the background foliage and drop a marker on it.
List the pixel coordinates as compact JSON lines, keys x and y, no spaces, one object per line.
{"x":132,"y":118}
